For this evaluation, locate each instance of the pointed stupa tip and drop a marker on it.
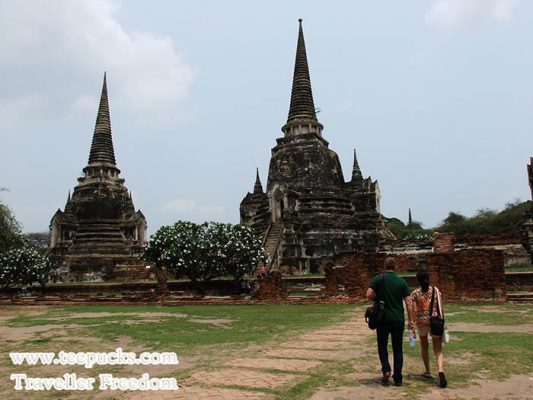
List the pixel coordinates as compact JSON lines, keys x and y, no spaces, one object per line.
{"x":102,"y":145}
{"x":302,"y":105}
{"x":258,"y":187}
{"x":68,"y":204}
{"x":410,"y":218}
{"x":356,"y":171}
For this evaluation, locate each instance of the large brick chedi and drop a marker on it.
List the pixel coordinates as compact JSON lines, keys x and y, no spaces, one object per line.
{"x":99,"y":234}
{"x":308,"y":211}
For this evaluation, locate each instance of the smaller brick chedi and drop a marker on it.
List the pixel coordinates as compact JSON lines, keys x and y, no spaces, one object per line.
{"x":98,"y":235}
{"x":308,"y":212}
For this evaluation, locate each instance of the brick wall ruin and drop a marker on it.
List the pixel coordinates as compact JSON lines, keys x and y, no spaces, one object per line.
{"x":270,"y":287}
{"x":466,"y":274}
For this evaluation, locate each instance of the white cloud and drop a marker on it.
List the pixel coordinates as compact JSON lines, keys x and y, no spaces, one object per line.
{"x":51,"y":49}
{"x":457,"y":14}
{"x":190,"y":210}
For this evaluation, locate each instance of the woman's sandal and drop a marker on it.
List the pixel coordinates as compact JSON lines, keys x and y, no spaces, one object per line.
{"x":426,"y":375}
{"x":442,"y":380}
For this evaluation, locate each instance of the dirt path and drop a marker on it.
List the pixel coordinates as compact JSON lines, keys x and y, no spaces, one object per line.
{"x":257,"y":371}
{"x":294,"y":361}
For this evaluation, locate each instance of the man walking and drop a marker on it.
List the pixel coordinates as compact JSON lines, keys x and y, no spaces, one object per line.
{"x":394,"y":291}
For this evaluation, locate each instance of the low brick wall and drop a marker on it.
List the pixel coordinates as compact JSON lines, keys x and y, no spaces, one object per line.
{"x":466,"y":274}
{"x":270,"y":287}
{"x":469,"y":274}
{"x":353,"y":272}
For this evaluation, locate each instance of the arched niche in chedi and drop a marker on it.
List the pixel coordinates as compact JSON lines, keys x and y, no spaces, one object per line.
{"x":278,"y":204}
{"x":307,"y":203}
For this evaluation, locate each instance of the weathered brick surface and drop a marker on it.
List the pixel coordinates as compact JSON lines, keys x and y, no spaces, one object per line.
{"x":271,"y":286}
{"x":470,"y":274}
{"x":464,"y":274}
{"x":353,"y":272}
{"x":443,"y":243}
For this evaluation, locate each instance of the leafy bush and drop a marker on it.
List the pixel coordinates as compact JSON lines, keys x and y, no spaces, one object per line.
{"x":10,"y":229}
{"x":23,"y":266}
{"x":203,"y":252}
{"x":412,"y":231}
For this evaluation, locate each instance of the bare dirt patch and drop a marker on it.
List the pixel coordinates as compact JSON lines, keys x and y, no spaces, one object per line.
{"x":15,"y":311}
{"x":146,"y":315}
{"x":486,"y":328}
{"x":496,"y":310}
{"x":518,"y":387}
{"x":219,"y":322}
{"x":371,"y":389}
{"x":21,"y":334}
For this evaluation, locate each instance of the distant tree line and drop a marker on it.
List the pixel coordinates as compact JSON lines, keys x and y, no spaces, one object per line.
{"x":484,"y":221}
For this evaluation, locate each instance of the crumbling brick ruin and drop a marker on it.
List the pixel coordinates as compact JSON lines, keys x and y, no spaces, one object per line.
{"x":474,"y":273}
{"x":467,"y":274}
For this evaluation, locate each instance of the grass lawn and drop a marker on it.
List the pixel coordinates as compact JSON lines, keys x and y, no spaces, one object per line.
{"x":520,"y":268}
{"x":488,"y":342}
{"x":188,"y":329}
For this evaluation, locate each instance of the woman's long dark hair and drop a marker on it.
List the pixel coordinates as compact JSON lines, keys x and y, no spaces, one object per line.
{"x":422,"y":277}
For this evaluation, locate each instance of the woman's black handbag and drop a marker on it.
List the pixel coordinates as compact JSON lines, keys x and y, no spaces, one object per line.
{"x":375,"y":315}
{"x":436,"y":323}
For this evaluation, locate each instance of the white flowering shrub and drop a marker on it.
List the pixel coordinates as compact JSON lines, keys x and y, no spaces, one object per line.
{"x":203,"y":252}
{"x":23,"y":266}
{"x":240,"y":250}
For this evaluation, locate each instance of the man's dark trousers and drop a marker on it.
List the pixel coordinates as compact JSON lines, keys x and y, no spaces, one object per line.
{"x":395,"y":329}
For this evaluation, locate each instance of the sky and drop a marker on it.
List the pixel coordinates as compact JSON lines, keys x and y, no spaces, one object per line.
{"x":436,"y":96}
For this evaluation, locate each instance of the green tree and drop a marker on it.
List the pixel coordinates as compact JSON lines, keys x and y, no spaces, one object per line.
{"x":23,"y":266}
{"x":412,"y":231}
{"x":487,"y":221}
{"x":10,"y":229}
{"x":38,"y":240}
{"x":203,"y":252}
{"x":454,"y":223}
{"x":237,"y":249}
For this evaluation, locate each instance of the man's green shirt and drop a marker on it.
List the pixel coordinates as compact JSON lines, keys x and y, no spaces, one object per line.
{"x":394,"y":290}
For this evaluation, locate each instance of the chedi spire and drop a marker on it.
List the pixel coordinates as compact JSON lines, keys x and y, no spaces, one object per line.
{"x":258,"y":187}
{"x":302,"y":105}
{"x":102,"y":145}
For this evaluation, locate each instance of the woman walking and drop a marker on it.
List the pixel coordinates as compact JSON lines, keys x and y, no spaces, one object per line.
{"x":424,"y":298}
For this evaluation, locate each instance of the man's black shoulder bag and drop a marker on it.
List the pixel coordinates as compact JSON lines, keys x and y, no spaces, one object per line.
{"x":375,"y":315}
